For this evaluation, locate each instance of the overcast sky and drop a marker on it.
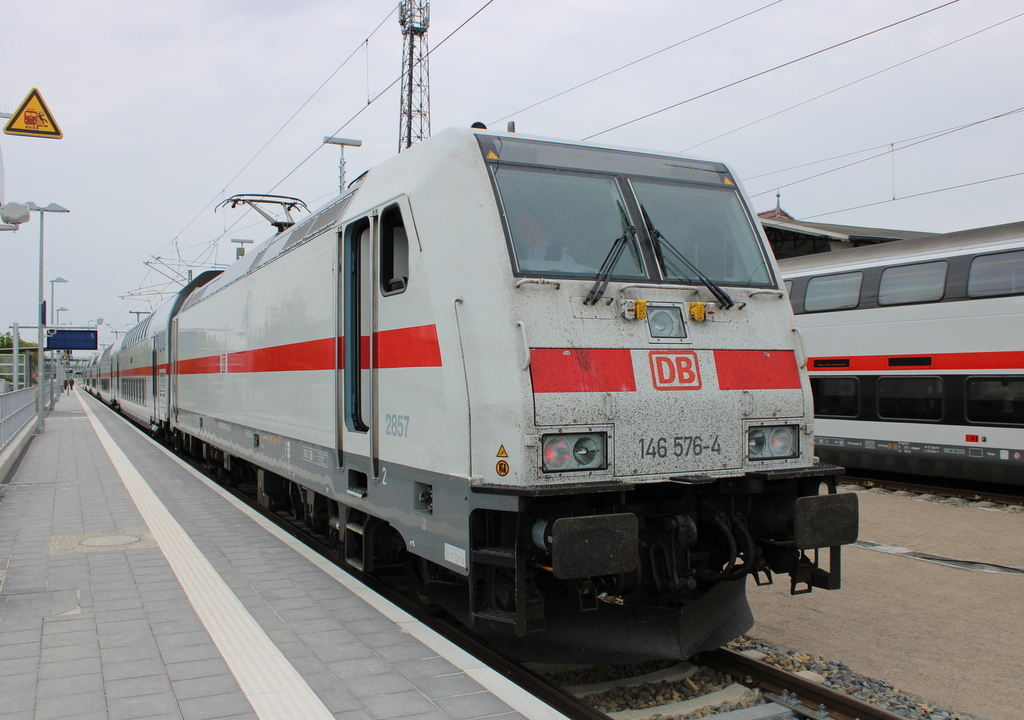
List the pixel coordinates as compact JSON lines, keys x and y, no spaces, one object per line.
{"x":165,"y":108}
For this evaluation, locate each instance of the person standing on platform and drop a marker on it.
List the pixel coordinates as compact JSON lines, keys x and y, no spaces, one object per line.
{"x":65,"y":384}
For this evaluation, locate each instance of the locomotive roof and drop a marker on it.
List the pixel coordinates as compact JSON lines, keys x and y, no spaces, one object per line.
{"x":994,"y":237}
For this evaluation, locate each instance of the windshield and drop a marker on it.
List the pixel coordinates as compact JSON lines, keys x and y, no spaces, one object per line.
{"x":563,"y":222}
{"x":709,"y":227}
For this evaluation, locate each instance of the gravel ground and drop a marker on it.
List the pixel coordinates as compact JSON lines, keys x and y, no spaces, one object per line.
{"x":840,"y":677}
{"x":941,"y":633}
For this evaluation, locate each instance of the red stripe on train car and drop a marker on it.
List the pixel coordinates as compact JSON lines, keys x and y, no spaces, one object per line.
{"x":1008,"y":360}
{"x":401,"y":348}
{"x":757,"y":370}
{"x":408,"y":347}
{"x":309,"y":355}
{"x":557,"y":370}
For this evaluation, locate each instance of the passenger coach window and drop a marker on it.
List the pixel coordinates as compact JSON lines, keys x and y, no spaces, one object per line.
{"x":565,"y":223}
{"x":835,"y":397}
{"x":924,"y":282}
{"x":1001,"y":274}
{"x":995,"y":400}
{"x":910,"y":398}
{"x":833,"y":292}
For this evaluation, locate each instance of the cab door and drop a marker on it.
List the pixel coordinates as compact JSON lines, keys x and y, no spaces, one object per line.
{"x":357,"y":422}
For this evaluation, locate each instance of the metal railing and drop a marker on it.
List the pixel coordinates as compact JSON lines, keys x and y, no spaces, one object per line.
{"x":17,"y":409}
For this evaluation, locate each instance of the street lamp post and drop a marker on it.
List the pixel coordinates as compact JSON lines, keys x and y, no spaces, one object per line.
{"x":58,"y":311}
{"x":52,"y":207}
{"x":52,"y":303}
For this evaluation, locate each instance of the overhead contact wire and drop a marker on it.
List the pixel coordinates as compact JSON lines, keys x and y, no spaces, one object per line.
{"x":639,"y":60}
{"x":770,"y":70}
{"x":849,"y":84}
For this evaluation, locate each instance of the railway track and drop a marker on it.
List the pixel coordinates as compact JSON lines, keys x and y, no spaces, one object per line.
{"x":921,"y":486}
{"x":723,"y":683}
{"x":764,"y":683}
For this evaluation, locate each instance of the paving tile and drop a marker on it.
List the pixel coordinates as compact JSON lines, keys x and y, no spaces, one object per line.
{"x":137,"y":686}
{"x":20,"y":682}
{"x":217,"y":706}
{"x":20,"y":650}
{"x":196,"y":669}
{"x":144,"y":650}
{"x":475,"y":705}
{"x":397,"y":653}
{"x":373,"y":685}
{"x":388,"y":638}
{"x":448,"y":685}
{"x":67,"y":668}
{"x":77,"y":706}
{"x":424,"y":667}
{"x":135,"y":708}
{"x":133,"y":669}
{"x":205,"y":686}
{"x":17,"y":637}
{"x":70,"y":685}
{"x":62,"y":639}
{"x":395,"y":705}
{"x":17,"y":702}
{"x":189,"y":653}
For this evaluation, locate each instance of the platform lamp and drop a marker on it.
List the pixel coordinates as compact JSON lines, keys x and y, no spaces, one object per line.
{"x":52,"y":304}
{"x":58,"y":311}
{"x":53,"y":208}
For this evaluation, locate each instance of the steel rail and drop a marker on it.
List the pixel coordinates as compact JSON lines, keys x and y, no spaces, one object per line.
{"x":911,"y":485}
{"x":812,"y":699}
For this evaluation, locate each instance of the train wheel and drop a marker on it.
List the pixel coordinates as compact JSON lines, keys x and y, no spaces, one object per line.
{"x":418,"y":572}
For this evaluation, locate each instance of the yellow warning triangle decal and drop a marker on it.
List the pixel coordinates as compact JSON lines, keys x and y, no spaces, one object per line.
{"x":501,"y":452}
{"x":33,"y":119}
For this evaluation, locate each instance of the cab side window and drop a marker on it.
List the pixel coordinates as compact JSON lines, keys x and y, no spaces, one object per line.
{"x":394,"y":253}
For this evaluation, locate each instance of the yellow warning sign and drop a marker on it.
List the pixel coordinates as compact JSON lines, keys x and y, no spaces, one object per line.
{"x":501,"y":468}
{"x":33,"y":119}
{"x":501,"y":452}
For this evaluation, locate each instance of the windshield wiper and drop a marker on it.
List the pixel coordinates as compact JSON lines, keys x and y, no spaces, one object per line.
{"x":661,"y":244}
{"x":610,"y":260}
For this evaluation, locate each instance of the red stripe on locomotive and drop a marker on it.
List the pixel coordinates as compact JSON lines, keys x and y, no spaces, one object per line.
{"x":557,"y":370}
{"x":757,"y":370}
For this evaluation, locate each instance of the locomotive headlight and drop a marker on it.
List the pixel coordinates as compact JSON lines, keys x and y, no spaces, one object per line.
{"x":665,"y":322}
{"x":781,"y":442}
{"x":556,"y":453}
{"x":756,"y":442}
{"x":585,"y":450}
{"x":772,"y":442}
{"x":574,"y":451}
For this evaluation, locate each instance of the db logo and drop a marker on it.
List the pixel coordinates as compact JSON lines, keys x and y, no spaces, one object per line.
{"x":675,"y":370}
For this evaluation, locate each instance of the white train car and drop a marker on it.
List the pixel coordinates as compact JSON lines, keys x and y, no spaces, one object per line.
{"x":916,"y":356}
{"x":556,"y":384}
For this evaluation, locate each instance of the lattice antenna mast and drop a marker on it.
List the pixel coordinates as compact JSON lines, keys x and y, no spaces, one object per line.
{"x":414,"y":16}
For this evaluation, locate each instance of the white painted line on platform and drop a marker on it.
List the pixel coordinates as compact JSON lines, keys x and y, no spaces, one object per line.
{"x":272,"y":686}
{"x":504,"y":689}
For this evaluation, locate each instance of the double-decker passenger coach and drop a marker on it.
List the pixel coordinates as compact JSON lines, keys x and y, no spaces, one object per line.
{"x":916,"y":360}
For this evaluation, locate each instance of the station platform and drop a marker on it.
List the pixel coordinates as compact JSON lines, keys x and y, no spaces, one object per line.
{"x":132,"y":587}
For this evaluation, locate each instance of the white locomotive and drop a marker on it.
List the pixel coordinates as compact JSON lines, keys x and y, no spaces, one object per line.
{"x":916,"y":362}
{"x":556,"y":384}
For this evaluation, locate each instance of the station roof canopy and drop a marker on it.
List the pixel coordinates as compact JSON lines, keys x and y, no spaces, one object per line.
{"x":791,"y":238}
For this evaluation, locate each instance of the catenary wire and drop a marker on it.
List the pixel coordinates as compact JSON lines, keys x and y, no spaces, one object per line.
{"x":917,"y":195}
{"x":289,"y":120}
{"x":933,"y":136}
{"x":849,"y":84}
{"x":635,"y":62}
{"x":212,"y":244}
{"x":770,"y":70}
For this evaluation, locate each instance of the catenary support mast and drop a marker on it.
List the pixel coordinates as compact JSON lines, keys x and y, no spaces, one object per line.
{"x":414,"y":16}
